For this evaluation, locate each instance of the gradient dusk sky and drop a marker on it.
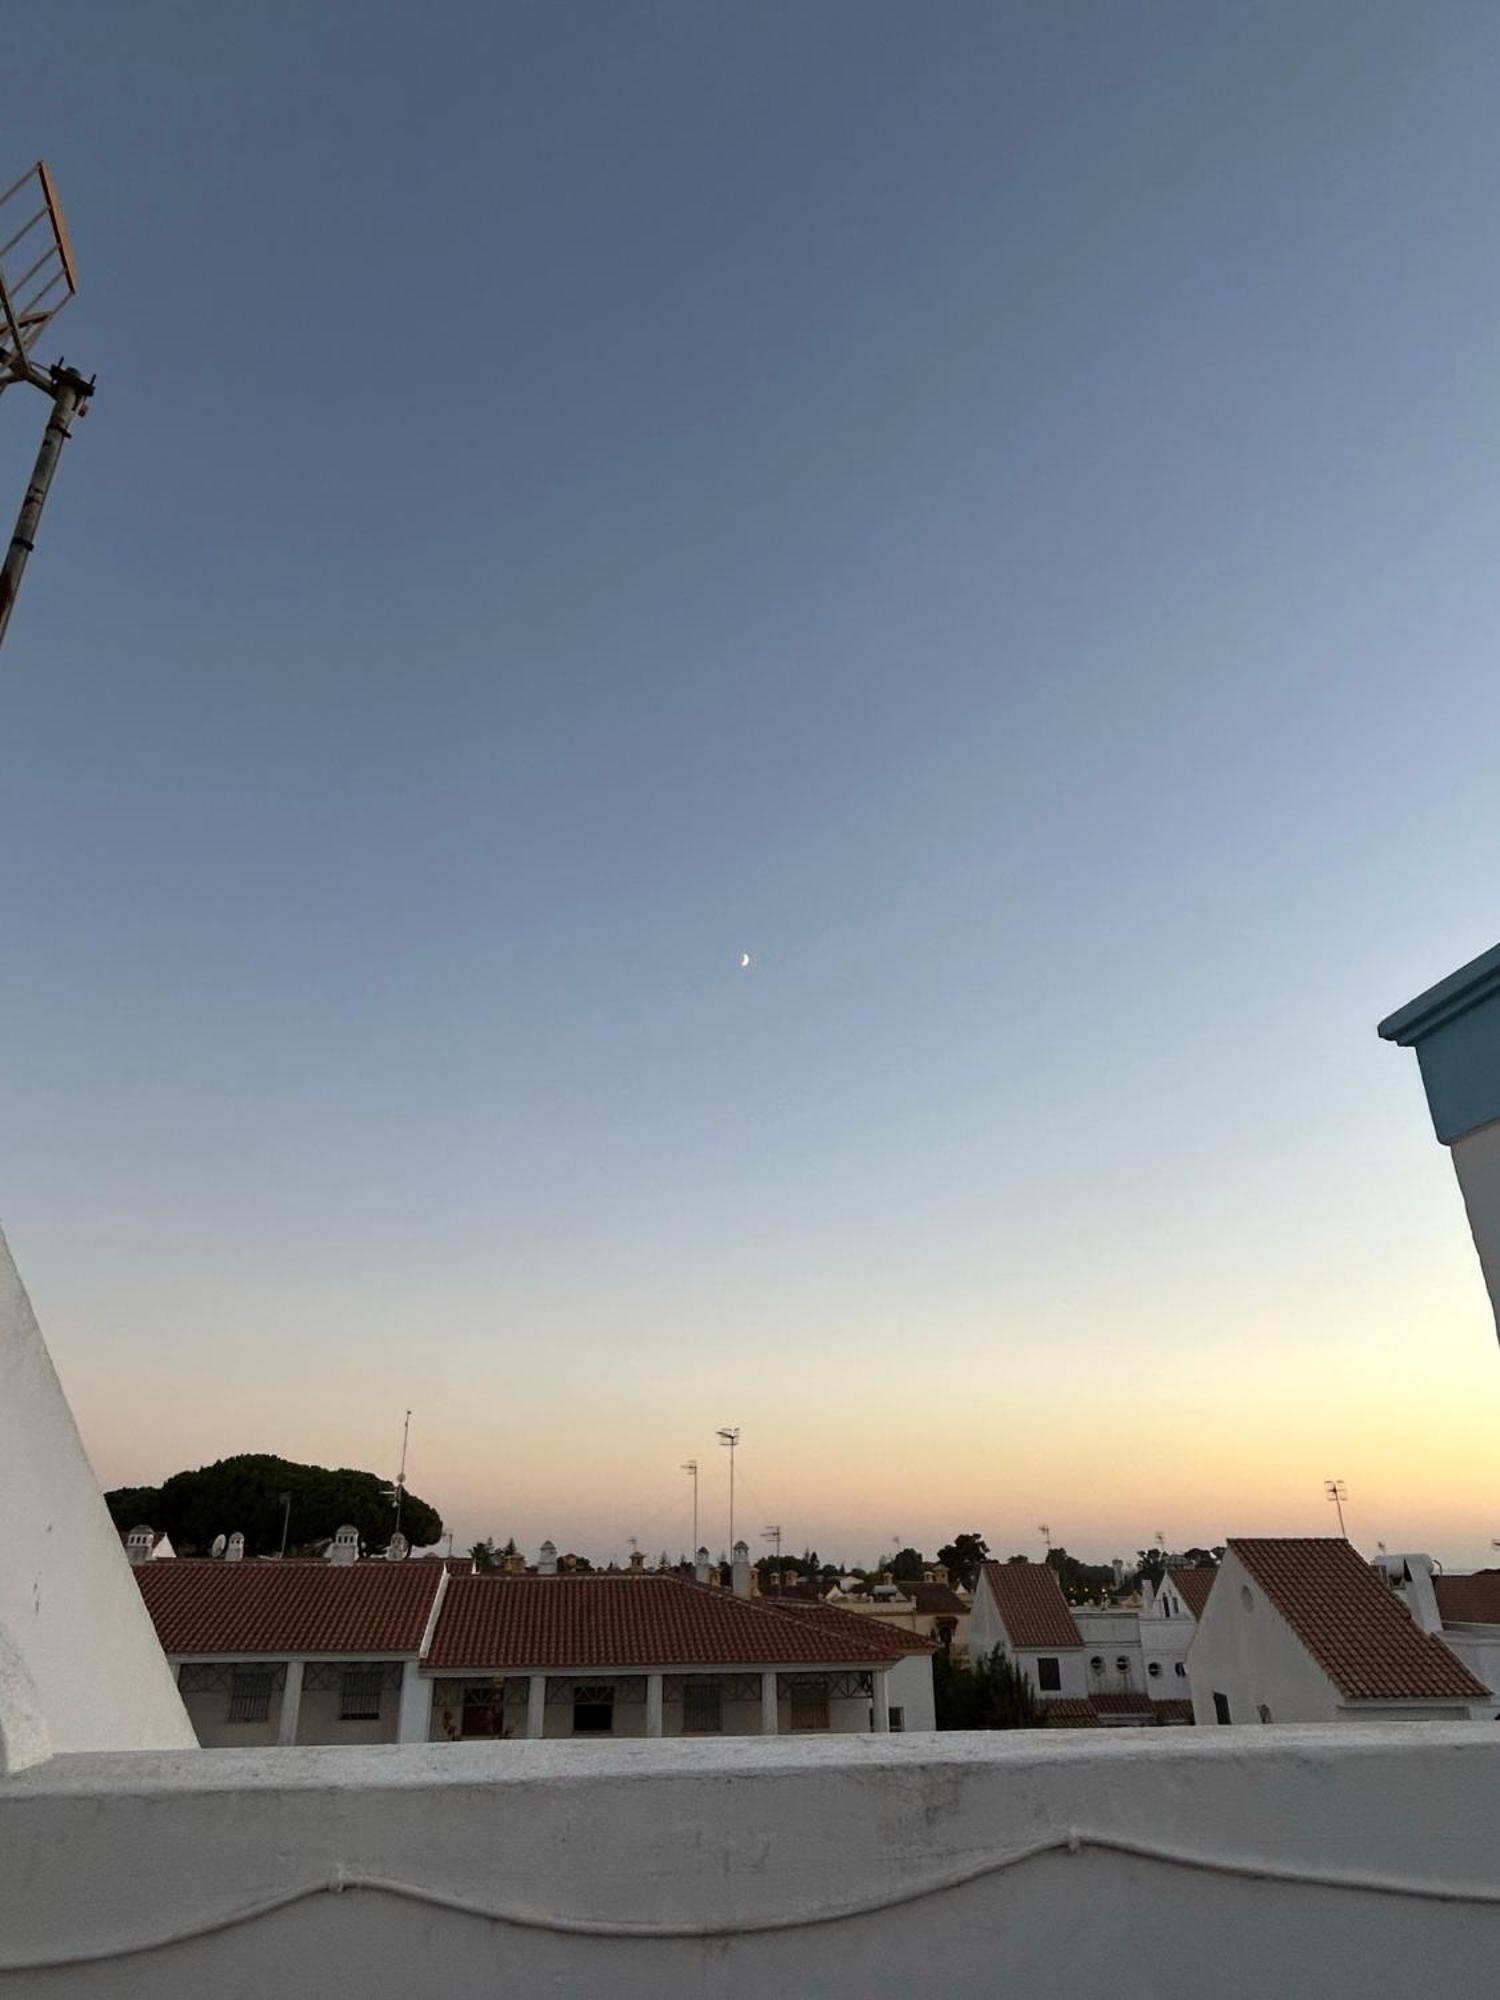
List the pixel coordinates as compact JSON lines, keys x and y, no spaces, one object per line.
{"x":992,"y":509}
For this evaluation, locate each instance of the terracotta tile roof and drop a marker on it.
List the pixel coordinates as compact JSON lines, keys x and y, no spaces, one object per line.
{"x":1064,"y":1712}
{"x":1124,"y":1702}
{"x":1193,"y":1585}
{"x":244,"y":1608}
{"x":1173,"y":1711}
{"x":494,"y":1622}
{"x":1032,"y":1607}
{"x":1469,"y":1600}
{"x":1356,"y":1630}
{"x":834,"y":1618}
{"x":936,"y":1600}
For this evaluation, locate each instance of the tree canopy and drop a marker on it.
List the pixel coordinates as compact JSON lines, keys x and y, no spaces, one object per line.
{"x":247,"y":1494}
{"x":963,"y":1556}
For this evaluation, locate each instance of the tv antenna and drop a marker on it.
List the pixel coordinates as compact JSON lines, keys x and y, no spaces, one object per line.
{"x":37,"y":279}
{"x":1046,"y":1534}
{"x":401,"y":1475}
{"x":773,"y":1534}
{"x":1336,"y":1491}
{"x":692,"y":1468}
{"x":730,"y":1436}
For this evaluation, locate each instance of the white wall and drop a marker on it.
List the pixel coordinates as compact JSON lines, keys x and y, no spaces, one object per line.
{"x":860,"y":1868}
{"x":910,"y":1686}
{"x":1476,"y":1160}
{"x":1252,"y":1656}
{"x":1072,"y":1667}
{"x":80,"y":1666}
{"x":1478,"y":1647}
{"x":1114,"y":1635}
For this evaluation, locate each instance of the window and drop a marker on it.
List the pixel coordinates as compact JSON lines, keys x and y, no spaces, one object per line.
{"x":1097,"y":1663}
{"x":1122,"y":1664}
{"x":359,"y":1694}
{"x":809,"y":1707}
{"x":1154,"y":1669}
{"x":1049,"y":1675}
{"x":1221,"y":1708}
{"x":898,"y":1718}
{"x":593,"y":1709}
{"x":1263,"y":1712}
{"x":483,"y":1709}
{"x":250,"y":1694}
{"x":702,"y":1708}
{"x":1180,"y":1669}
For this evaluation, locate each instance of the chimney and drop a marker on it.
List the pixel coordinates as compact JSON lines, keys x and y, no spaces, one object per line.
{"x":546,"y":1561}
{"x":343,"y":1549}
{"x":235,"y":1552}
{"x":887,"y":1576}
{"x":515,"y":1565}
{"x":138,"y":1545}
{"x":940,"y":1572}
{"x":1118,"y":1567}
{"x":701,"y":1566}
{"x":1421,"y":1597}
{"x":740,"y":1570}
{"x":637,"y":1561}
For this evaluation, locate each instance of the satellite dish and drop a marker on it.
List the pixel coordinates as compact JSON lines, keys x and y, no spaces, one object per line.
{"x":398,"y":1548}
{"x":221,"y":1543}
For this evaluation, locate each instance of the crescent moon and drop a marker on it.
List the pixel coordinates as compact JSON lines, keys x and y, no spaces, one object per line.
{"x":744,"y":960}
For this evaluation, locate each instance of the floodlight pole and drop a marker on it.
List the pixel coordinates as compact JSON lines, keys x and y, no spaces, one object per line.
{"x":70,"y":394}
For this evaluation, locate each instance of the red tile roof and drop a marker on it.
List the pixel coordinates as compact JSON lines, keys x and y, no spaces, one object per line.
{"x":1173,"y":1712}
{"x":1356,"y":1630}
{"x":1032,"y":1607}
{"x":936,"y":1600}
{"x":494,"y":1622}
{"x":1469,"y":1600}
{"x":1067,"y":1713}
{"x":1193,"y":1585}
{"x":835,"y":1618}
{"x":1124,"y":1702}
{"x":246,"y":1608}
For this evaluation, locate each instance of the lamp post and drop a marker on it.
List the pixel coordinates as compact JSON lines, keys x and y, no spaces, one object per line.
{"x":730,"y":1436}
{"x":37,"y":278}
{"x":691,"y":1468}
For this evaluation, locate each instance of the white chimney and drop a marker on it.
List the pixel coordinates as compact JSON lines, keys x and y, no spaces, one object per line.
{"x":235,"y":1552}
{"x":1118,"y":1567}
{"x":701,"y":1566}
{"x":1421,"y":1597}
{"x":343,"y":1549}
{"x":740,"y":1570}
{"x":546,"y":1561}
{"x":139,"y":1543}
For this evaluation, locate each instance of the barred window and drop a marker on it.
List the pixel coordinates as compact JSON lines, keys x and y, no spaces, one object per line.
{"x":809,"y":1708}
{"x":250,"y":1694}
{"x":702,"y":1708}
{"x":483,"y":1709}
{"x":593,"y":1708}
{"x":359,"y":1694}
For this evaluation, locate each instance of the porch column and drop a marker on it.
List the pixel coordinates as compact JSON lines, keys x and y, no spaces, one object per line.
{"x":291,"y":1703}
{"x":653,"y":1704}
{"x":536,"y":1705}
{"x":880,"y":1706}
{"x":770,"y":1713}
{"x":414,"y":1716}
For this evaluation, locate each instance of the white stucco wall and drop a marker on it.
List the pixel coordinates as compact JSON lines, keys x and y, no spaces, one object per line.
{"x":1478,"y":1647}
{"x":1112,"y":1636}
{"x":910,"y":1684}
{"x":77,"y":1649}
{"x":846,"y":1868}
{"x":1476,"y":1160}
{"x":1252,"y":1656}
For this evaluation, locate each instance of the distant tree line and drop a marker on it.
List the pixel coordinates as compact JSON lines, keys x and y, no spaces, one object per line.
{"x":248,"y":1494}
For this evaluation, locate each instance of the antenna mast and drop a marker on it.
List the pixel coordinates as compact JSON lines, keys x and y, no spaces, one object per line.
{"x":692,"y":1468}
{"x":401,"y":1475}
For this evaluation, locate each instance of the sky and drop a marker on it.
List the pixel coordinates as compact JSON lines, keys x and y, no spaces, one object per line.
{"x":990,"y":509}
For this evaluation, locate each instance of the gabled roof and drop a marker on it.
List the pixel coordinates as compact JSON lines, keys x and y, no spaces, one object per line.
{"x":936,"y":1600}
{"x":1193,"y":1585}
{"x":200,"y":1605}
{"x":1067,"y":1712}
{"x":834,"y":1618}
{"x":491,"y":1623}
{"x":1032,"y":1607}
{"x":1469,"y":1600}
{"x":1355,"y":1628}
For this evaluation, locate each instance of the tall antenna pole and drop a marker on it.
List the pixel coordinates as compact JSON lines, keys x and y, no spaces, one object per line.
{"x":1046,"y":1534}
{"x":730,"y":1436}
{"x":401,"y":1475}
{"x":1336,"y":1491}
{"x":773,"y":1534}
{"x":692,"y":1467}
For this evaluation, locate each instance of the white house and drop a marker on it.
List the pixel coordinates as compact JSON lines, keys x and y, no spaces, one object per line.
{"x":1168,"y":1620}
{"x":1461,"y":1610}
{"x":1303,"y":1630}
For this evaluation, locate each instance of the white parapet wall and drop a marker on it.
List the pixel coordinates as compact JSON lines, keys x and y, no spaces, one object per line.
{"x":1353,"y":1861}
{"x":80,"y":1666}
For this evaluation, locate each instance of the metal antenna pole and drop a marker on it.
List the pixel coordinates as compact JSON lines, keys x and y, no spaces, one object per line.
{"x":731,"y":1437}
{"x":401,"y":1475}
{"x":1338,"y":1493}
{"x":70,"y":393}
{"x":692,"y":1467}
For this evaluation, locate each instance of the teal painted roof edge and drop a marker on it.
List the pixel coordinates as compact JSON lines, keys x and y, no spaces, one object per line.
{"x":1455,"y":1029}
{"x":1476,"y":981}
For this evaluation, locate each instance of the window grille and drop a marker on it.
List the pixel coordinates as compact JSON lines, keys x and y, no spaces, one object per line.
{"x":809,"y":1708}
{"x":249,"y":1695}
{"x":593,"y":1708}
{"x":359,"y":1694}
{"x":702,"y":1708}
